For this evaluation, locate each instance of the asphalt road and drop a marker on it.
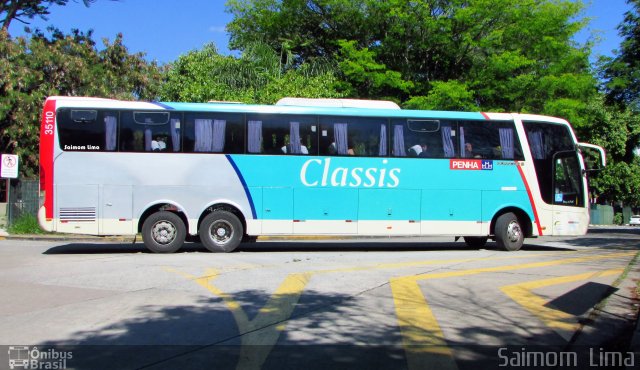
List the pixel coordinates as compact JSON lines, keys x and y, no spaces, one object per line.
{"x":404,"y":303}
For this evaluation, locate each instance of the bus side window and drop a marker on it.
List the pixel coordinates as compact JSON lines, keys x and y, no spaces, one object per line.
{"x":423,"y":138}
{"x":489,"y":140}
{"x":149,"y":131}
{"x":365,"y":137}
{"x":87,"y":129}
{"x":214,"y":133}
{"x":281,"y":134}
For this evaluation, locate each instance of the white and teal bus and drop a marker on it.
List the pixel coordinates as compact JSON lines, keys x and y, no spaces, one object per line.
{"x":228,"y":172}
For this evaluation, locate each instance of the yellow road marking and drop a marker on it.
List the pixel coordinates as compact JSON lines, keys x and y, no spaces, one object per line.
{"x":419,"y":328}
{"x":258,"y":336}
{"x":263,"y":331}
{"x":522,"y":294}
{"x":421,"y":333}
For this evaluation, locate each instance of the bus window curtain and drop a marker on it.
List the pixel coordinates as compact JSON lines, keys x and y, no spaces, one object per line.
{"x":175,"y":134}
{"x":340,"y":135}
{"x":147,"y":139}
{"x":254,"y":145}
{"x":536,"y":141}
{"x":463,"y":151}
{"x":110,"y":125}
{"x":447,"y":142}
{"x":398,"y":141}
{"x":294,"y":138}
{"x":219,"y":128}
{"x":382,"y":151}
{"x":204,"y":136}
{"x":506,"y":142}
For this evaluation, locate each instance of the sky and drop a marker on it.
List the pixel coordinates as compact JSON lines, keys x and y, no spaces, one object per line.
{"x":166,"y":29}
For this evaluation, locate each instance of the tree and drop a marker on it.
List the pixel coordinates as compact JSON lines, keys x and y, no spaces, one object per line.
{"x":498,"y":55}
{"x":259,"y":75}
{"x":59,"y":64}
{"x":20,"y":9}
{"x":622,"y":73}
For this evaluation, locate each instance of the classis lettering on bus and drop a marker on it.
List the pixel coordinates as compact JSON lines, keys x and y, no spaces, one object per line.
{"x":317,"y":172}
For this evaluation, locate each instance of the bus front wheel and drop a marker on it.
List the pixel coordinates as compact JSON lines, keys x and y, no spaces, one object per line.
{"x":163,"y":232}
{"x":508,"y":232}
{"x":221,"y":231}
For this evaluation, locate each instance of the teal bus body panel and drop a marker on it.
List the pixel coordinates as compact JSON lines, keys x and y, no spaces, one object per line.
{"x":354,"y":188}
{"x":451,"y":205}
{"x":326,"y":204}
{"x":389,"y":204}
{"x":277,"y":203}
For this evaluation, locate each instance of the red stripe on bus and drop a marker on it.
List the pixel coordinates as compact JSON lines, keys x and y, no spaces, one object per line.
{"x":533,"y":205}
{"x":47,"y":129}
{"x":486,"y":116}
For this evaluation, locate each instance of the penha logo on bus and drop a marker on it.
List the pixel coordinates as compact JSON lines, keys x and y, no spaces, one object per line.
{"x":318,"y":172}
{"x":471,"y":164}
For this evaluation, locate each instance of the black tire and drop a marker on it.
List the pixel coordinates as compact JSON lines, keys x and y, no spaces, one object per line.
{"x":475,"y":241}
{"x":221,"y":231}
{"x":508,"y":232}
{"x":163,"y":232}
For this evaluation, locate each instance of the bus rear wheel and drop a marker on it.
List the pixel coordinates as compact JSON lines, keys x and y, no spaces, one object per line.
{"x":163,"y":232}
{"x":475,"y":241}
{"x":221,"y":231}
{"x":508,"y":232}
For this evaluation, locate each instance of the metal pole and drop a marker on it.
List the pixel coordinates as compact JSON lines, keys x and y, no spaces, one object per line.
{"x":9,"y":206}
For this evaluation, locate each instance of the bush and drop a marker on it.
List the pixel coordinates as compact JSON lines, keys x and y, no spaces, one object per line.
{"x":617,"y":219}
{"x":25,"y":224}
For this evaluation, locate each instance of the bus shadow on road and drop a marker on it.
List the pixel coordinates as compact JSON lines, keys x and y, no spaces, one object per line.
{"x":378,"y":246}
{"x":295,"y":246}
{"x":114,"y":248}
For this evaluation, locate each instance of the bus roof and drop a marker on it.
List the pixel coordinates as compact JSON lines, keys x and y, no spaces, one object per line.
{"x":344,"y":109}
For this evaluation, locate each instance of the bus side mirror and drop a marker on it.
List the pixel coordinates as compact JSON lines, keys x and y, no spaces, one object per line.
{"x":594,"y":156}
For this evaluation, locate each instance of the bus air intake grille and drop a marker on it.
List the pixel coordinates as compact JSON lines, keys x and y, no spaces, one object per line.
{"x":83,"y":214}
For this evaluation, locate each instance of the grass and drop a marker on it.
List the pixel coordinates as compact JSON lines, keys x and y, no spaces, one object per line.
{"x":26,"y":224}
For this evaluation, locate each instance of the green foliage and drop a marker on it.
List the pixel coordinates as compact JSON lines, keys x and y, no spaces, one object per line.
{"x":509,"y":55}
{"x":26,"y":224}
{"x":260,"y":75}
{"x":364,"y":77}
{"x":450,"y":95}
{"x":61,"y":64}
{"x":622,"y":73}
{"x":617,"y":218}
{"x":618,"y":182}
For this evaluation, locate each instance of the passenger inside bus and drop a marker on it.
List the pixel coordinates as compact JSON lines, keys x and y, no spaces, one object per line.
{"x":158,"y":144}
{"x":418,"y":150}
{"x":468,"y":151}
{"x":292,"y":150}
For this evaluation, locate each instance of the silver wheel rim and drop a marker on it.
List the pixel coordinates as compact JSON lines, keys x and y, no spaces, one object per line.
{"x":163,"y":232}
{"x":513,"y":231}
{"x":221,"y":231}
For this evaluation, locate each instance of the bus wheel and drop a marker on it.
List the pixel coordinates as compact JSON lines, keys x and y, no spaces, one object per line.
{"x":508,"y":232}
{"x":475,"y":241}
{"x":221,"y":231}
{"x":163,"y":232}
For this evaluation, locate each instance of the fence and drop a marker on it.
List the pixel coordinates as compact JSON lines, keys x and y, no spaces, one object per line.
{"x":23,"y":199}
{"x":601,"y":214}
